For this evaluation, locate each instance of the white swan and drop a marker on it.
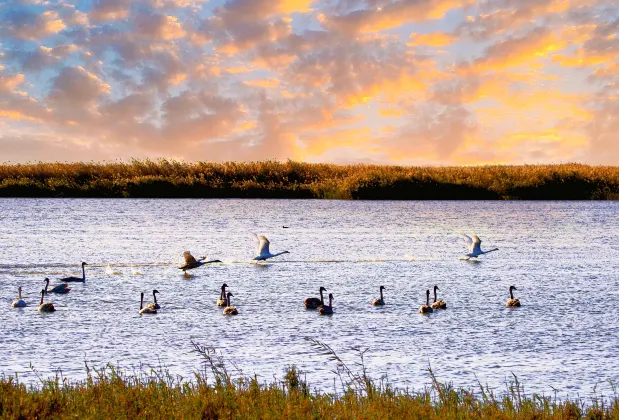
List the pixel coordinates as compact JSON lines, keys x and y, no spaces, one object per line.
{"x":473,"y":244}
{"x":191,"y":262}
{"x":59,"y":288}
{"x":19,"y":302}
{"x":262,"y":248}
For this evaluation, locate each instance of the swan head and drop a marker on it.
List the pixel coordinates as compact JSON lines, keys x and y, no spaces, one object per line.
{"x":223,"y":286}
{"x":512,"y":288}
{"x":83,"y":263}
{"x":428,"y":292}
{"x":42,"y":292}
{"x":155,"y":291}
{"x":322,"y":289}
{"x":331,"y":296}
{"x":285,"y":252}
{"x":382,"y":288}
{"x":46,"y":280}
{"x":230,"y":294}
{"x":436,"y":288}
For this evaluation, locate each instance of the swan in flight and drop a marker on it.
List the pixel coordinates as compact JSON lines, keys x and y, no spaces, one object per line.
{"x":19,"y":302}
{"x":262,"y":248}
{"x":59,"y":288}
{"x":45,"y":307}
{"x":473,"y":244}
{"x":77,"y":279}
{"x":191,"y":262}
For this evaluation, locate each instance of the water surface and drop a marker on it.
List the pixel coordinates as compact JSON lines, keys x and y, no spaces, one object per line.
{"x":562,"y":256}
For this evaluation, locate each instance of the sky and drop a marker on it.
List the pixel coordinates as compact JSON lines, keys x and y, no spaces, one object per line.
{"x":406,"y":82}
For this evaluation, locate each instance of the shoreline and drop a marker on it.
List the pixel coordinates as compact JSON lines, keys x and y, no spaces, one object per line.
{"x":295,"y":180}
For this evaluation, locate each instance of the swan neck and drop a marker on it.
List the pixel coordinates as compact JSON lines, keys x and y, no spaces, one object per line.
{"x":322,"y":299}
{"x":435,"y":294}
{"x":155,"y":297}
{"x":141,"y":301}
{"x":83,"y":273}
{"x":19,"y":293}
{"x":330,"y":300}
{"x":511,"y":293}
{"x":41,"y":298}
{"x":381,"y":294}
{"x":428,"y":299}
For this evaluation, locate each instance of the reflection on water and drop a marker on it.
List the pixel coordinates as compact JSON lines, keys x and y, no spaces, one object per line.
{"x":563,"y":257}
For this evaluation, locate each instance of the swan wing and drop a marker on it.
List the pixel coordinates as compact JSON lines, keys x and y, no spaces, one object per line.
{"x":476,"y":244}
{"x":263,"y":246}
{"x":468,"y":240}
{"x":189,"y":259}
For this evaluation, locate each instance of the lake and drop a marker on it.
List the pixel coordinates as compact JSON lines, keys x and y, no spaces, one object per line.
{"x":562,"y":256}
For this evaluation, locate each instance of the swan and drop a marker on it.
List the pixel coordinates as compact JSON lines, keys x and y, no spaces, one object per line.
{"x":438,"y":304}
{"x":45,"y":307}
{"x":230,"y":310}
{"x":148,"y":309}
{"x":512,"y":303}
{"x":191,"y":262}
{"x":380,"y":301}
{"x":426,"y":309}
{"x":473,"y":244}
{"x":223,"y":300}
{"x":109,"y":270}
{"x":59,"y":288}
{"x":262,"y":248}
{"x":315,"y":303}
{"x":154,"y":305}
{"x":77,"y":279}
{"x":19,"y":302}
{"x":327,"y":309}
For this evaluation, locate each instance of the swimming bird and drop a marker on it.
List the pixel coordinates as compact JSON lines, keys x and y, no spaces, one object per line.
{"x":19,"y":302}
{"x":77,"y":279}
{"x":426,"y":309}
{"x":223,"y":300}
{"x":327,"y":309}
{"x":191,"y":262}
{"x":155,"y":305}
{"x":45,"y":307}
{"x":148,"y":309}
{"x":441,"y":303}
{"x":262,"y":248}
{"x":473,"y":244}
{"x":315,"y":303}
{"x":59,"y":288}
{"x":380,"y":301}
{"x":230,"y":310}
{"x":512,"y":303}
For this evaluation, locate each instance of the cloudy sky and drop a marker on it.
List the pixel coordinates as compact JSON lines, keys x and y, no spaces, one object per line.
{"x":375,"y":81}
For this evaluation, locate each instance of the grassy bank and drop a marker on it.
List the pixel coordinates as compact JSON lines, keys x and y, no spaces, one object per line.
{"x":109,"y":394}
{"x":169,"y":179}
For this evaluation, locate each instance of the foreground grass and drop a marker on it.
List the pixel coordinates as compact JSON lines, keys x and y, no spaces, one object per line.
{"x":272,"y":179}
{"x":109,"y":394}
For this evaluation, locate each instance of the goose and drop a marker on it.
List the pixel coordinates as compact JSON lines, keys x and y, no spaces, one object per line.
{"x":223,"y":300}
{"x":262,"y":248}
{"x":473,"y":244}
{"x":426,"y":309}
{"x":191,"y":262}
{"x":438,"y":304}
{"x":154,"y":305}
{"x":59,"y":288}
{"x":77,"y":279}
{"x":230,"y":310}
{"x":315,"y":303}
{"x":380,"y":301}
{"x":45,"y":307}
{"x":327,"y":309}
{"x":148,"y":309}
{"x":512,"y":303}
{"x":19,"y":302}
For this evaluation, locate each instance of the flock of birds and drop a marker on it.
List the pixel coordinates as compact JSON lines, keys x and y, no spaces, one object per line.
{"x":263,"y":253}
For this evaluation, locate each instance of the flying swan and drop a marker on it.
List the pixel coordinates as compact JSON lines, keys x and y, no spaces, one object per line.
{"x":262,"y":248}
{"x":473,"y":244}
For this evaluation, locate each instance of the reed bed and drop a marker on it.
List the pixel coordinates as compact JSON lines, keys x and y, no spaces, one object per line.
{"x":109,"y":394}
{"x":272,"y":179}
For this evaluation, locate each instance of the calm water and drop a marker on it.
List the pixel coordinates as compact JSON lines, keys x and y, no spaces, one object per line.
{"x":562,"y":256}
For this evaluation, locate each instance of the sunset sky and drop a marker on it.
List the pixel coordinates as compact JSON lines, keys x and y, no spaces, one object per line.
{"x":421,"y":82}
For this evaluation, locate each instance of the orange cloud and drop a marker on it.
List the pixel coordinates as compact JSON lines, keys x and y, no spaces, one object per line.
{"x":263,"y":83}
{"x":433,"y":39}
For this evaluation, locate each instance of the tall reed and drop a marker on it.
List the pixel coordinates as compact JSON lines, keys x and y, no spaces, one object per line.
{"x":271,"y":179}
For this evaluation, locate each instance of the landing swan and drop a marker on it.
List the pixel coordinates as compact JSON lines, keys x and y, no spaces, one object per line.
{"x":191,"y":262}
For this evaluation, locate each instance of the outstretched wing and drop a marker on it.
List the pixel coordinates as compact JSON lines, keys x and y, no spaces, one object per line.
{"x":476,"y":243}
{"x":189,"y":259}
{"x":469,"y":241}
{"x":263,"y":247}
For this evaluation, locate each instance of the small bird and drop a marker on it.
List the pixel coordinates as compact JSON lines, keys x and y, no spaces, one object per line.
{"x":230,"y":310}
{"x":223,"y":300}
{"x":148,"y":309}
{"x":262,"y":248}
{"x":191,"y":262}
{"x":441,"y":303}
{"x":327,"y":309}
{"x":77,"y":279}
{"x":19,"y":302}
{"x":512,"y":303}
{"x":59,"y":288}
{"x":474,"y":246}
{"x":380,"y":301}
{"x":285,"y":227}
{"x":45,"y":307}
{"x":315,"y":303}
{"x":426,"y":309}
